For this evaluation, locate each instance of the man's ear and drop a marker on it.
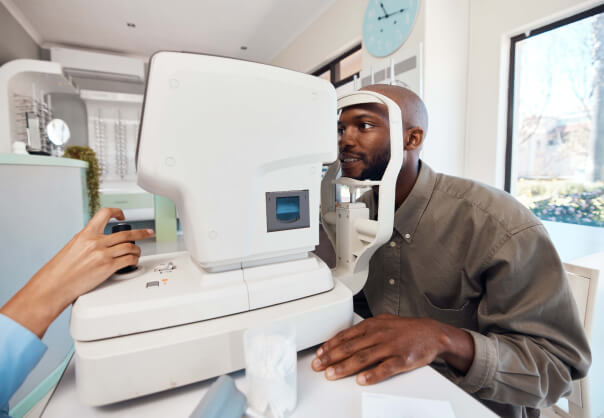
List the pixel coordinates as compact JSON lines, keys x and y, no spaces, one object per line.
{"x":414,"y":139}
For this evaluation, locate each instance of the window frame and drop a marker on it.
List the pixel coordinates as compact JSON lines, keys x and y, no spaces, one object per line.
{"x":511,"y":73}
{"x":334,"y":67}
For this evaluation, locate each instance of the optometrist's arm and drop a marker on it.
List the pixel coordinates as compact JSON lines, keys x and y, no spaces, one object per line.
{"x":20,"y":351}
{"x":84,"y":263}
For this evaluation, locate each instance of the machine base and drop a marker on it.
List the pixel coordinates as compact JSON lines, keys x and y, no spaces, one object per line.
{"x":116,"y":369}
{"x":157,"y":297}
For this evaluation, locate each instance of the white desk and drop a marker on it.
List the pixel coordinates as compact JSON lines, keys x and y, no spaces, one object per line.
{"x":317,"y":397}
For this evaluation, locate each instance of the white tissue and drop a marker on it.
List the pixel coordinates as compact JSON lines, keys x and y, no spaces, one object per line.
{"x":271,"y":373}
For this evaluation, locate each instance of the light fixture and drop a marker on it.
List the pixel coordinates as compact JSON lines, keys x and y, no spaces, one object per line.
{"x":130,"y":25}
{"x":243,"y":47}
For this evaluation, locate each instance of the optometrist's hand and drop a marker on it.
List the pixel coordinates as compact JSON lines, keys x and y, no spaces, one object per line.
{"x":85,"y":262}
{"x":387,"y":345}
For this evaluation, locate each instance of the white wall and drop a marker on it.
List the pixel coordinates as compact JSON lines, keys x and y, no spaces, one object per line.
{"x":492,"y":23}
{"x":15,"y":41}
{"x":439,"y":36}
{"x":465,"y":48}
{"x":445,"y":75}
{"x":334,"y":32}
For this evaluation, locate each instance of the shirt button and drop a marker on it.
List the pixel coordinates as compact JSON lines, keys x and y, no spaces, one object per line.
{"x":392,"y":244}
{"x":407,"y":236}
{"x":392,"y":282}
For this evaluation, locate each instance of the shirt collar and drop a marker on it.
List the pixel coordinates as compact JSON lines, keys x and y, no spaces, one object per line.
{"x":408,"y":215}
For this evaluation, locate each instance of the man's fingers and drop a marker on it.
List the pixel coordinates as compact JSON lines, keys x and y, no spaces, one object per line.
{"x":124,"y":249}
{"x":388,"y":368}
{"x":98,"y":221}
{"x":347,"y":334}
{"x":358,"y":361}
{"x":127,"y":236}
{"x":344,"y":350}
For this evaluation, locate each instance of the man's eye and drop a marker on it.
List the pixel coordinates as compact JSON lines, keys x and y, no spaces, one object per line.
{"x":365,"y":125}
{"x":340,"y":131}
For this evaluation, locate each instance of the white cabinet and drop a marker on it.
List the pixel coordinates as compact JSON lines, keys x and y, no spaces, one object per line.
{"x":43,"y":204}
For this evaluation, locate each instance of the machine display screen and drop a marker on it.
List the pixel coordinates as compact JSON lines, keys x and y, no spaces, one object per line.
{"x":288,"y":208}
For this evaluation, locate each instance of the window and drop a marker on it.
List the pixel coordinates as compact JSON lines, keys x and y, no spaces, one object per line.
{"x":342,"y":69}
{"x":325,"y":75}
{"x":555,"y":135}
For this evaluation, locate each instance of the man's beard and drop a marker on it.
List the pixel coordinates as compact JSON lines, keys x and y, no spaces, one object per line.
{"x":378,"y":168}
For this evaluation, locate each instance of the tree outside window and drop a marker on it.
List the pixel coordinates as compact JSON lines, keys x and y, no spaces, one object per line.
{"x":555,"y":159}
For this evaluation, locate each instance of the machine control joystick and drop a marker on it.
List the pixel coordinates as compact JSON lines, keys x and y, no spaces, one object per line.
{"x":123,"y":226}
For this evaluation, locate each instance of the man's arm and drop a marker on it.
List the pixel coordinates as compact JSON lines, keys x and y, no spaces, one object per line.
{"x":530,"y":347}
{"x":396,"y":345}
{"x":531,"y":343}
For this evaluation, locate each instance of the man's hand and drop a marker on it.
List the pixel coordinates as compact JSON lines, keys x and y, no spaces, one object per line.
{"x":393,"y":345}
{"x":84,"y":263}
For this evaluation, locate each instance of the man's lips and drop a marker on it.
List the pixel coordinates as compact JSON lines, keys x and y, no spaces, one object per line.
{"x":347,"y":158}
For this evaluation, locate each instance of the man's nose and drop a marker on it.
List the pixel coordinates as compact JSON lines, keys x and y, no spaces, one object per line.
{"x":347,"y":138}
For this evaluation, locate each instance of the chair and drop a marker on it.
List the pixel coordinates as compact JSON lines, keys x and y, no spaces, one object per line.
{"x":583,"y":401}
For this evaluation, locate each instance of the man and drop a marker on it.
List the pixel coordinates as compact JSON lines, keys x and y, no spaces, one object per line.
{"x":470,"y":281}
{"x":84,"y":263}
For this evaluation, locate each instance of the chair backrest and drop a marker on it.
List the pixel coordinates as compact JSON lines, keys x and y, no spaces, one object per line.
{"x":583,"y":277}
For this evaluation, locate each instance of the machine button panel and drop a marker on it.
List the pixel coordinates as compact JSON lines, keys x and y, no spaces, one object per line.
{"x":164,"y":268}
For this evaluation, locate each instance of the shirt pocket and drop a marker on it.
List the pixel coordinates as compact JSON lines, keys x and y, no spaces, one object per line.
{"x":463,"y":316}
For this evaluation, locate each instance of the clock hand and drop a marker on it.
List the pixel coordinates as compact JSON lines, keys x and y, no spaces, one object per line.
{"x":384,"y":9}
{"x":377,"y":3}
{"x":397,"y":12}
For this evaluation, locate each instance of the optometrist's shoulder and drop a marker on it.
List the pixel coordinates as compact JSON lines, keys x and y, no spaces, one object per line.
{"x":86,"y":261}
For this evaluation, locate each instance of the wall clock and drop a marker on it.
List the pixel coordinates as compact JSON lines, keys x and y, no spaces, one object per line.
{"x":387,"y":24}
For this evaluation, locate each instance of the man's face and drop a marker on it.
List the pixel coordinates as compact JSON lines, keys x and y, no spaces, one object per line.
{"x":364,"y":141}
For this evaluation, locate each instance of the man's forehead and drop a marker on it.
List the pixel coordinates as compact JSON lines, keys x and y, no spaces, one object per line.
{"x":376,"y":109}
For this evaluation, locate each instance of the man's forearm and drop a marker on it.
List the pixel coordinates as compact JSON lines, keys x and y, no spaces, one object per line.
{"x":458,"y":347}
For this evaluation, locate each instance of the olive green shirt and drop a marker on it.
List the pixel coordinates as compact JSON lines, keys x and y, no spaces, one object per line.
{"x":472,"y":256}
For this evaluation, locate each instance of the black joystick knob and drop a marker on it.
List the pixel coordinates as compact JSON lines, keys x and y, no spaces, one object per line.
{"x":122,"y":226}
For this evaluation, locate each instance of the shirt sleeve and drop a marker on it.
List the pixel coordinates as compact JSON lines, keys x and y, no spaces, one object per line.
{"x":531,"y":343}
{"x":20,"y":351}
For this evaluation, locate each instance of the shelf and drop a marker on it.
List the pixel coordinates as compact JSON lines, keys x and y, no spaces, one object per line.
{"x":19,"y":75}
{"x":108,"y":96}
{"x":28,"y":78}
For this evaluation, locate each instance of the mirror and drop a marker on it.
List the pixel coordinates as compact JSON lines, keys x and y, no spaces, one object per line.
{"x":58,"y":132}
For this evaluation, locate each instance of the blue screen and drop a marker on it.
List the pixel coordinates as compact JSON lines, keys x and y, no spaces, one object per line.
{"x":288,"y":209}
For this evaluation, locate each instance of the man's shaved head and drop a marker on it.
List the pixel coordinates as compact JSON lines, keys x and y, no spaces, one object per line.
{"x":364,"y":138}
{"x":413,"y":109}
{"x":364,"y":133}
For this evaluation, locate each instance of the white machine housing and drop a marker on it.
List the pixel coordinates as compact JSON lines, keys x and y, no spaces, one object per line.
{"x":216,"y":144}
{"x":215,"y":140}
{"x":221,"y":138}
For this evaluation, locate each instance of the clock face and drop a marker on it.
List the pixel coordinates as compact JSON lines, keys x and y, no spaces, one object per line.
{"x":387,"y":24}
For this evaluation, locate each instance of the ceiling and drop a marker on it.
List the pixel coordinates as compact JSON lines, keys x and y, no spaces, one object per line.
{"x":221,"y":27}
